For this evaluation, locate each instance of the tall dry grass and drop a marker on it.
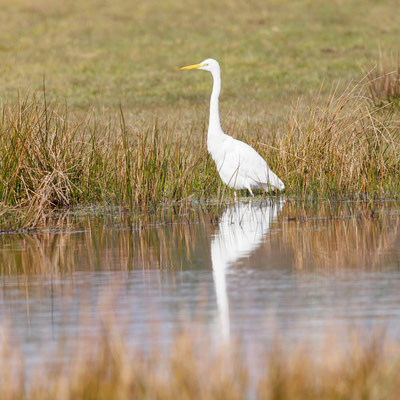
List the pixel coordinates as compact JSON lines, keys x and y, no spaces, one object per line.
{"x":48,"y":162}
{"x":107,"y":367}
{"x":384,"y":83}
{"x":347,"y":148}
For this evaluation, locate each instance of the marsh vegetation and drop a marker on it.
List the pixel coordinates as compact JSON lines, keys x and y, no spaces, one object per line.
{"x":105,"y":367}
{"x":132,"y":129}
{"x":115,"y":225}
{"x":345,"y":149}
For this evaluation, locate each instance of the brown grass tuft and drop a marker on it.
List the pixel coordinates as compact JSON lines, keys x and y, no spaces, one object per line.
{"x":384,"y":83}
{"x":346,"y":149}
{"x":107,"y":367}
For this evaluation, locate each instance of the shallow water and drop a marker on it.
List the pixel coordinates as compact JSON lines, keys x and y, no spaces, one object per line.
{"x":252,"y":271}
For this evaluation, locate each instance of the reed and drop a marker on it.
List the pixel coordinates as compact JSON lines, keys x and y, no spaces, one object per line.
{"x":48,"y":162}
{"x":106,"y":366}
{"x":345,"y":149}
{"x":384,"y":83}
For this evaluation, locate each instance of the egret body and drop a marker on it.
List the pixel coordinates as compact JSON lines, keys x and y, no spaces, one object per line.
{"x":238,"y":164}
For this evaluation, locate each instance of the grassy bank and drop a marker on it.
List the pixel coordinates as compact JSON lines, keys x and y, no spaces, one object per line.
{"x":348,"y":148}
{"x":107,"y":367}
{"x":275,"y":57}
{"x":97,"y":53}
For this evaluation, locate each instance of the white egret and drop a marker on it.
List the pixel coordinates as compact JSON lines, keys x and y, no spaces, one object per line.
{"x":238,"y":164}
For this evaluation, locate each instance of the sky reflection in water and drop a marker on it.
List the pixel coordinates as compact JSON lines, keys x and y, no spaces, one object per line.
{"x":248,"y":270}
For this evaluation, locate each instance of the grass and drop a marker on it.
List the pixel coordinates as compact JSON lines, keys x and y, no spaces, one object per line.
{"x":47,"y":162}
{"x":105,"y":367}
{"x":384,"y":84}
{"x":90,"y":149}
{"x":96,"y":53}
{"x":74,"y":144}
{"x":344,"y":149}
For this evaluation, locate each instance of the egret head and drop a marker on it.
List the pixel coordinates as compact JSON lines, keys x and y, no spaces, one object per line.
{"x":210,"y":65}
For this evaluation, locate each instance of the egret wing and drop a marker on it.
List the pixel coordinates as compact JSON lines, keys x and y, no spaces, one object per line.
{"x":244,"y":163}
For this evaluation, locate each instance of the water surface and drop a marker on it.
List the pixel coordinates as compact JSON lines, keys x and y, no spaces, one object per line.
{"x":249,"y":270}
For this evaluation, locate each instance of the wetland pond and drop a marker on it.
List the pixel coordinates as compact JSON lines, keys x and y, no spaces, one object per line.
{"x":249,"y":270}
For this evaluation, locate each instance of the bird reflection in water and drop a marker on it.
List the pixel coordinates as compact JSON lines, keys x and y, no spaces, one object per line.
{"x":241,"y":229}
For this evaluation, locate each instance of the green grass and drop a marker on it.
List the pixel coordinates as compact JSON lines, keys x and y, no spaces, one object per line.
{"x":98,"y":53}
{"x":345,"y":149}
{"x":76,"y":147}
{"x":48,"y":162}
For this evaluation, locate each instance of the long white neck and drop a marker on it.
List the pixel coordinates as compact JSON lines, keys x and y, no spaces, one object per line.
{"x":214,"y":126}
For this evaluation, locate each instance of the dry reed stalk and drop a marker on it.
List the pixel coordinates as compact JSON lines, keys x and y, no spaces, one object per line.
{"x":345,"y":149}
{"x":107,"y":367}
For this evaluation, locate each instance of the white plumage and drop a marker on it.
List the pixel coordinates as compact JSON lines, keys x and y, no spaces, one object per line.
{"x":238,"y":164}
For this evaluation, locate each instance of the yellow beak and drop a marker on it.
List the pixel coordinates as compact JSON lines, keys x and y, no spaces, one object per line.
{"x":191,"y":66}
